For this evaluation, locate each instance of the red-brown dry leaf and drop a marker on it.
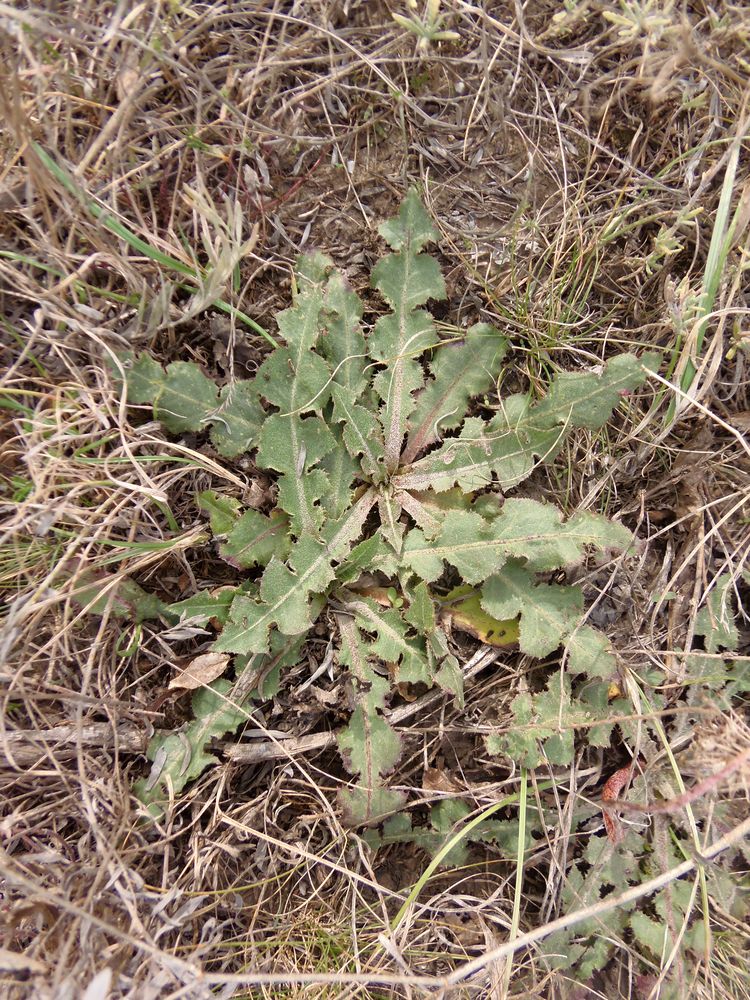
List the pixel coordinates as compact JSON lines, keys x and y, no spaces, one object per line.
{"x":611,"y":793}
{"x":199,"y":672}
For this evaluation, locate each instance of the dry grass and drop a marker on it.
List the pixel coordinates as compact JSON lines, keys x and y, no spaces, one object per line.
{"x":575,"y":157}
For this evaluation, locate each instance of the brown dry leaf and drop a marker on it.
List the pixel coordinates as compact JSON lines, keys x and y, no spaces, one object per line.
{"x":611,"y":793}
{"x":329,"y":699}
{"x":740,"y":420}
{"x":406,"y":692}
{"x":435,"y":779}
{"x":129,"y":79}
{"x":200,"y":672}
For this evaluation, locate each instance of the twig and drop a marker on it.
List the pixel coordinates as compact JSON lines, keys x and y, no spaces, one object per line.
{"x":25,"y":747}
{"x":280,"y":749}
{"x":610,"y":903}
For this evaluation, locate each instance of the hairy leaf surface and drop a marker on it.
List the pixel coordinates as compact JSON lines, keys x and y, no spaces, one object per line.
{"x":460,"y":371}
{"x":508,"y":446}
{"x":391,"y":453}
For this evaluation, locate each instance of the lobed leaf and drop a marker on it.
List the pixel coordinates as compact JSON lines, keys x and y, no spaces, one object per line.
{"x":180,"y":757}
{"x":543,"y":726}
{"x":583,"y":399}
{"x":223,"y":511}
{"x":292,"y":446}
{"x":508,"y":446}
{"x":298,"y":380}
{"x":237,"y":418}
{"x":286,"y":589}
{"x":716,"y":621}
{"x":460,"y":371}
{"x":341,"y":472}
{"x":203,"y":607}
{"x":99,"y":592}
{"x":369,"y":746}
{"x":187,"y":399}
{"x":548,"y":612}
{"x":184,"y":399}
{"x":344,"y":344}
{"x":361,"y":431}
{"x":393,"y":644}
{"x":406,"y":280}
{"x":524,"y":528}
{"x":412,"y":228}
{"x":256,"y":539}
{"x":294,"y":378}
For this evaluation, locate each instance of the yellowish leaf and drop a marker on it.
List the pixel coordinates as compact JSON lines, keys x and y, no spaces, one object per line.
{"x":461,"y":608}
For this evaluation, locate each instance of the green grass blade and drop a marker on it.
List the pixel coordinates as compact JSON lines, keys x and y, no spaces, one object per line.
{"x":136,"y":243}
{"x":718,"y":251}
{"x":518,"y":890}
{"x":456,"y":839}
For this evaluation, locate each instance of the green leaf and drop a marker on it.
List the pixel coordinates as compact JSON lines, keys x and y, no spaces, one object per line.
{"x":548,"y":612}
{"x":187,"y":400}
{"x":293,"y":446}
{"x":180,"y":757}
{"x":508,"y":446}
{"x":145,"y":380}
{"x":444,"y":667}
{"x":298,"y":380}
{"x":285,"y":589}
{"x":652,"y":935}
{"x":361,"y":431}
{"x":184,"y":399}
{"x":293,"y":380}
{"x":252,"y":539}
{"x":293,"y":377}
{"x":590,"y":653}
{"x":505,"y":447}
{"x":393,"y":643}
{"x":594,"y":944}
{"x":412,"y":228}
{"x":237,"y":419}
{"x":397,"y":384}
{"x":344,"y":345}
{"x":256,"y":539}
{"x":464,"y":541}
{"x":421,"y":610}
{"x":581,"y":399}
{"x":716,"y":621}
{"x":361,"y":558}
{"x":199,"y":609}
{"x":460,"y":371}
{"x":524,"y":528}
{"x":391,"y":526}
{"x":370,"y":747}
{"x":223,"y":511}
{"x":341,"y":471}
{"x":98,"y":592}
{"x":406,"y":280}
{"x":547,"y":721}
